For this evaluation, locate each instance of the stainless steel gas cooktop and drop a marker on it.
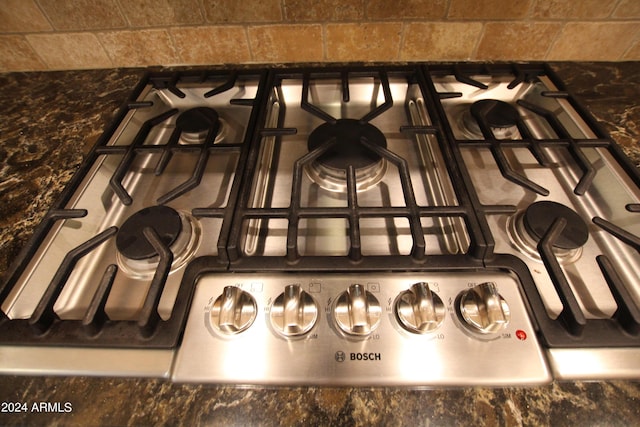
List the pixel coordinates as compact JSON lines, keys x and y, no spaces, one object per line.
{"x":423,"y":225}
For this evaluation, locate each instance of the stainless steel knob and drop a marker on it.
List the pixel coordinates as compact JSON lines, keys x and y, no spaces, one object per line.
{"x":483,"y":309}
{"x":294,"y":312}
{"x":419,"y":310}
{"x":357,"y":311}
{"x":233,"y":311}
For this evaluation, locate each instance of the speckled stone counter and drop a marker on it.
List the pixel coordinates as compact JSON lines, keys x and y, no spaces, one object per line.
{"x":48,"y":121}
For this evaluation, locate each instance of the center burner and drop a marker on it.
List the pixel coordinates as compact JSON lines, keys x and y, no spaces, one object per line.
{"x":501,"y":117}
{"x":176,"y":230}
{"x":196,"y":123}
{"x":329,"y":170}
{"x":528,"y":228}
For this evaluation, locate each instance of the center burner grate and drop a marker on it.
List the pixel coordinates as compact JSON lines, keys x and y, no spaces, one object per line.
{"x":364,"y":158}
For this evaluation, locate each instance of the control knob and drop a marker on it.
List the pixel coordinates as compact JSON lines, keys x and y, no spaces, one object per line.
{"x":233,"y":311}
{"x":419,"y":310}
{"x":357,"y":311}
{"x":483,"y":309}
{"x":294,"y":312}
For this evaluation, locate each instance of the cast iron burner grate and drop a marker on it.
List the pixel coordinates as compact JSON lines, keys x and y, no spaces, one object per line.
{"x":137,"y":238}
{"x":559,"y":228}
{"x":359,"y":139}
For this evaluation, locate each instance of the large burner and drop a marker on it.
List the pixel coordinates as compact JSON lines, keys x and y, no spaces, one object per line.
{"x":196,"y":123}
{"x":501,"y":117}
{"x":329,"y":170}
{"x":178,"y":230}
{"x":528,"y":228}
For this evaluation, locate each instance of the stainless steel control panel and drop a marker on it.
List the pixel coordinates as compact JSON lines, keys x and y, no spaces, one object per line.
{"x":410,"y":329}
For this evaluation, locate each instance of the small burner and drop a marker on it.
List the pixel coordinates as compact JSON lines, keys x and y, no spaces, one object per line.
{"x":500,"y":116}
{"x":196,"y":123}
{"x":180,"y":231}
{"x":528,"y":227}
{"x":330,"y":169}
{"x":130,"y":239}
{"x":539,"y":217}
{"x":197,"y":120}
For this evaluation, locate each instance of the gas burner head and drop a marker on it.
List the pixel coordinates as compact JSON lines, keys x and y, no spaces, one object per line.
{"x":500,"y":116}
{"x":131,"y":241}
{"x":196,"y":123}
{"x":539,"y":217}
{"x":529,"y":227}
{"x":178,"y":230}
{"x":348,"y":151}
{"x":329,"y":170}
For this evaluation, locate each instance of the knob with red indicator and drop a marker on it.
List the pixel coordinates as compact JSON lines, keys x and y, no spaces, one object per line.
{"x":483,"y":309}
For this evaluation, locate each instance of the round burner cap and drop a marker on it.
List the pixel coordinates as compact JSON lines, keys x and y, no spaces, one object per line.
{"x":539,"y":217}
{"x":348,"y":150}
{"x":197,"y":120}
{"x":498,"y":114}
{"x":130,"y":239}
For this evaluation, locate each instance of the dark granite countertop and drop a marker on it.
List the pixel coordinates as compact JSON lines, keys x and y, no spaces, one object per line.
{"x":49,"y":120}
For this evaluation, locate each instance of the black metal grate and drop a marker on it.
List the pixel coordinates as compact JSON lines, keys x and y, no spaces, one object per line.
{"x":571,"y":329}
{"x":149,"y":330}
{"x":95,"y":329}
{"x":353,"y":211}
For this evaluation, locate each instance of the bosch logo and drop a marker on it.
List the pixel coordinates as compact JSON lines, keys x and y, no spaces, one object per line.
{"x":365,"y":356}
{"x":341,"y":356}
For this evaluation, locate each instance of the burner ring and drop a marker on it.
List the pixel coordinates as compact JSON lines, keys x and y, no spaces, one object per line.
{"x":329,"y":170}
{"x":335,"y":180}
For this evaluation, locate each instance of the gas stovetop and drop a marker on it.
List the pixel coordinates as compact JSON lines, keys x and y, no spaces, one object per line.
{"x":449,"y":224}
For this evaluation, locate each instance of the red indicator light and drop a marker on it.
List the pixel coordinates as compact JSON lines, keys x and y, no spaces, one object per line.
{"x":521,"y":335}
